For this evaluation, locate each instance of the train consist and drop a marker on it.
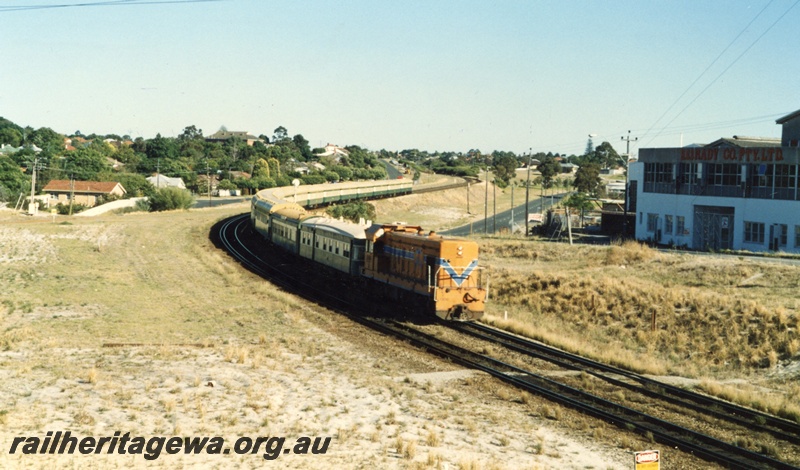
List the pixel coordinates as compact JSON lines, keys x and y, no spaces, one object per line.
{"x":396,"y":263}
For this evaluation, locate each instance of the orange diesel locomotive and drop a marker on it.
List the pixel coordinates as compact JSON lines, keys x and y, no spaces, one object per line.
{"x":415,"y":271}
{"x":441,"y":273}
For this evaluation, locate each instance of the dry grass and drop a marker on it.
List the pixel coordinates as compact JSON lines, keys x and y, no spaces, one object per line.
{"x":654,"y":312}
{"x":230,"y":355}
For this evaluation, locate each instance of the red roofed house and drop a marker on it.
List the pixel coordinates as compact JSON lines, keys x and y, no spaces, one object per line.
{"x":84,"y":192}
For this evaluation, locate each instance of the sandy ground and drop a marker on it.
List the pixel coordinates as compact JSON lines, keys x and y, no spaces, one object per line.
{"x":382,"y":403}
{"x":377,"y":418}
{"x":196,"y":391}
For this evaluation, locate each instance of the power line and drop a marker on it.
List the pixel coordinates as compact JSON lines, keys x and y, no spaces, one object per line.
{"x":647,"y":132}
{"x":98,"y":4}
{"x":728,"y":67}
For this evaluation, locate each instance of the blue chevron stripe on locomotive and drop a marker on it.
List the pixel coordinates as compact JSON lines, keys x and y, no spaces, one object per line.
{"x":458,"y":278}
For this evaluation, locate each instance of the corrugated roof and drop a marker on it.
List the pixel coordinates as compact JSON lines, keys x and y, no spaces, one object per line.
{"x":788,"y":117}
{"x":336,"y":226}
{"x":83,"y":186}
{"x":746,"y":142}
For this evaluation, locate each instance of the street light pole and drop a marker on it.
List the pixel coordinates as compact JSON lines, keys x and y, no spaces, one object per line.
{"x":627,"y":160}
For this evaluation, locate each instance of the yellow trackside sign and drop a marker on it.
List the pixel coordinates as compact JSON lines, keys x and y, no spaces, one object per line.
{"x":646,"y":460}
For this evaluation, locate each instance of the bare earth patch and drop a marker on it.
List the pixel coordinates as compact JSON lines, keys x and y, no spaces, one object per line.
{"x":220,"y":352}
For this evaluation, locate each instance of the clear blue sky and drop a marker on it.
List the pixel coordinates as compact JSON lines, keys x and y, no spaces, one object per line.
{"x":433,"y":75}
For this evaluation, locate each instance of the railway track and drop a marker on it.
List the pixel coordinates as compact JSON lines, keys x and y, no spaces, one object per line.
{"x":754,"y":420}
{"x":234,"y":236}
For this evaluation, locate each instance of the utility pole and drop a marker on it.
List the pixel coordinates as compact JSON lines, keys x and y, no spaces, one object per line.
{"x":208,"y":182}
{"x":71,"y":192}
{"x":511,"y":225}
{"x":527,"y":192}
{"x":494,"y":207}
{"x":486,"y":203}
{"x":627,"y":159}
{"x":31,"y":204}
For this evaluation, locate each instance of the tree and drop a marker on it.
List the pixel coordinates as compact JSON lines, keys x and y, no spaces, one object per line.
{"x":344,"y":172}
{"x":505,"y":167}
{"x":135,"y":185}
{"x":170,"y":198}
{"x":580,"y":202}
{"x":353,"y":211}
{"x":161,"y":148}
{"x":86,"y":164}
{"x":280,"y":133}
{"x":261,"y":169}
{"x":302,"y":145}
{"x":607,"y":156}
{"x":587,"y":179}
{"x":589,"y":147}
{"x":12,"y":180}
{"x":10,"y":136}
{"x":549,"y":169}
{"x":191,"y":133}
{"x":274,"y":167}
{"x":47,"y":139}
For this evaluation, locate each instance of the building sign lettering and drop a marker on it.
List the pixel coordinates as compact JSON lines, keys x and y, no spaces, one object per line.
{"x":732,"y":154}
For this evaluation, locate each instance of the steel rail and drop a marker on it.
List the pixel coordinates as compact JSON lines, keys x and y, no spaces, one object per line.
{"x":780,"y":428}
{"x":687,"y":440}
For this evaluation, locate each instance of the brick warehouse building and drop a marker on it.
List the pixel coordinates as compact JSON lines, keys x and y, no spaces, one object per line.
{"x":737,"y":193}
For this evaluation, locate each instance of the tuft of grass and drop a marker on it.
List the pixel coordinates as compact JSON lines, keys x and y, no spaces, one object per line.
{"x":91,"y":376}
{"x":433,"y":439}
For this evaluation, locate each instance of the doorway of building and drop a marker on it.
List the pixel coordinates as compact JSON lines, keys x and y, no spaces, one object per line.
{"x":713,"y":228}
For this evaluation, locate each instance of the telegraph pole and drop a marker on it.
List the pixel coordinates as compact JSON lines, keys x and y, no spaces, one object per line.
{"x":527,"y":192}
{"x":31,"y":205}
{"x":511,"y":225}
{"x":494,"y":206}
{"x":208,"y":182}
{"x":486,"y":203}
{"x":627,"y":159}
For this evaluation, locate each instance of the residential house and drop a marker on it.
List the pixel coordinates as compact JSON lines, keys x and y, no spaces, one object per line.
{"x":334,"y":152}
{"x":222,"y":136}
{"x":161,"y":181}
{"x":82,"y":192}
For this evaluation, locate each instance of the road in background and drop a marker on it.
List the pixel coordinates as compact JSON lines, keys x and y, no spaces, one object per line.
{"x":202,"y":202}
{"x":503,"y":219}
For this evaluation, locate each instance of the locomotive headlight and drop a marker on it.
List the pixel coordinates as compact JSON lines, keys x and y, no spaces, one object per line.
{"x":460,"y":250}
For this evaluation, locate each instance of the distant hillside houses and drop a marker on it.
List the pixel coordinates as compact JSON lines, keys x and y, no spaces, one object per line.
{"x":335,"y":152}
{"x":222,"y":136}
{"x":306,"y":168}
{"x":6,"y":149}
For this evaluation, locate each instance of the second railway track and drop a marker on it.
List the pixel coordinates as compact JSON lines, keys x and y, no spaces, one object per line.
{"x":234,"y":236}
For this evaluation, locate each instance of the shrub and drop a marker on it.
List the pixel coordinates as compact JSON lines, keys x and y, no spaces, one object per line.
{"x":353,"y":211}
{"x":170,"y":198}
{"x":63,"y":209}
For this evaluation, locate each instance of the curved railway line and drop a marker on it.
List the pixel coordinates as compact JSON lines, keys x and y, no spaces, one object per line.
{"x":234,"y":236}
